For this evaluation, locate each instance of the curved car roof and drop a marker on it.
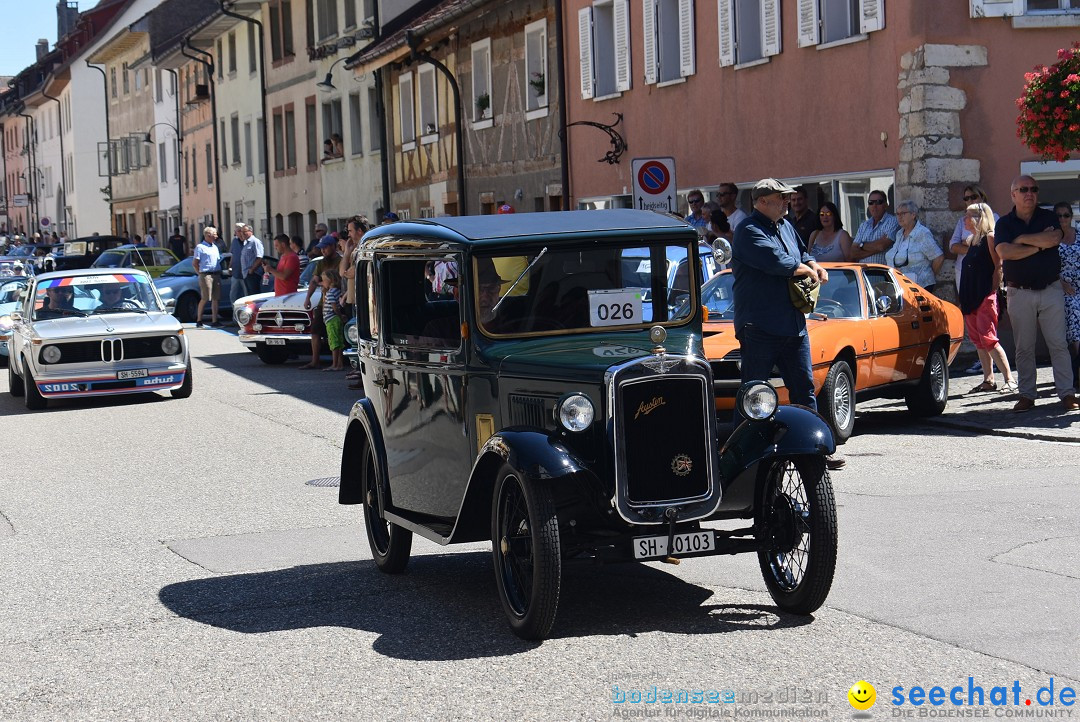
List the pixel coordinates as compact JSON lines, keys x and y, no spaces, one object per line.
{"x":530,"y":227}
{"x":90,"y":272}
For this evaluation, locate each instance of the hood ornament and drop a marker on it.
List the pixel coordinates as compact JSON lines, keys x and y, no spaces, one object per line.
{"x":660,"y":364}
{"x":279,"y":319}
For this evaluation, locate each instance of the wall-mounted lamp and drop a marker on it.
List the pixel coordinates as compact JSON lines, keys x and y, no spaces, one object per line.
{"x":327,"y":83}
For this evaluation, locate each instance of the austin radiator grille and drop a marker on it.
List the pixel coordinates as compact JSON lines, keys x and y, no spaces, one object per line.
{"x":282,"y":320}
{"x":664,"y":427}
{"x":528,"y":411}
{"x":109,"y":350}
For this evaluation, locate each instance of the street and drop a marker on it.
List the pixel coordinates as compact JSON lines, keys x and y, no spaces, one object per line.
{"x":169,"y":559}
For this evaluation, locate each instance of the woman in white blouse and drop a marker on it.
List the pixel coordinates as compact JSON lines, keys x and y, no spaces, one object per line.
{"x":915,"y":253}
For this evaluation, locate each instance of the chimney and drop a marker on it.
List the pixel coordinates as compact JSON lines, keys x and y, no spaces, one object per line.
{"x":67,"y":15}
{"x":42,"y":48}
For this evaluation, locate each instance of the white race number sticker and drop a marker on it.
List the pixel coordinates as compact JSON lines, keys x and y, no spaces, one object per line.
{"x":615,"y":307}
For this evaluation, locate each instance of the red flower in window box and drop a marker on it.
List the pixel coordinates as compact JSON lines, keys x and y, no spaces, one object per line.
{"x":1050,"y":94}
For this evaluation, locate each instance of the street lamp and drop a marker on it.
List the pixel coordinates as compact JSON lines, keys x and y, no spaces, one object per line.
{"x":327,"y":83}
{"x":179,"y":190}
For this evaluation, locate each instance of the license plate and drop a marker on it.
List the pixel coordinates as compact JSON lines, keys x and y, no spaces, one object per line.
{"x":275,"y":342}
{"x":131,"y":374}
{"x":650,"y":547}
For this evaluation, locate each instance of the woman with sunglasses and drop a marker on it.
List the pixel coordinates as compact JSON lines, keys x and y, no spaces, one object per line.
{"x":832,"y":242}
{"x":972,"y":194}
{"x":1069,"y":250}
{"x":915,"y":253}
{"x":978,"y":295}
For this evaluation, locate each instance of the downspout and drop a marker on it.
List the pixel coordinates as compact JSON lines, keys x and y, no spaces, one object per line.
{"x":419,"y":55}
{"x":34,"y":210}
{"x":179,"y":140}
{"x":384,"y":167}
{"x":266,"y":114}
{"x":209,"y":65}
{"x":63,"y":171}
{"x":560,"y":64}
{"x":105,"y":84}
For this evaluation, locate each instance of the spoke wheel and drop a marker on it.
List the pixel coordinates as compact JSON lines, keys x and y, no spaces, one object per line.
{"x":796,"y":521}
{"x":930,"y":397}
{"x":526,"y":551}
{"x":390,"y":544}
{"x":837,"y":401}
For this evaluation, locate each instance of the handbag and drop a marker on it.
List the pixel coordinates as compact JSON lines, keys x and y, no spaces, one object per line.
{"x":804,"y":292}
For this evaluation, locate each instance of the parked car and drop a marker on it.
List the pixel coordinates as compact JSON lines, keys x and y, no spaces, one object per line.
{"x":568,"y":422}
{"x":11,"y":287}
{"x":81,"y":252}
{"x":180,"y":292}
{"x":278,"y":327}
{"x":154,"y":261}
{"x":874,"y":332}
{"x":94,"y":333}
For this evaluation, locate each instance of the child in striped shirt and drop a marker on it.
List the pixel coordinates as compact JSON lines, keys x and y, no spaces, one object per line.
{"x":335,"y":328}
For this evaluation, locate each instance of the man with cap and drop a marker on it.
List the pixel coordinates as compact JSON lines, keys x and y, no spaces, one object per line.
{"x":766,"y":255}
{"x":151,"y":236}
{"x":313,"y":248}
{"x":390,"y":217}
{"x":330,"y":259}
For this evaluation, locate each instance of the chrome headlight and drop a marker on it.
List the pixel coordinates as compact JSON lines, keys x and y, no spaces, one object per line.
{"x":50,"y":354}
{"x":6,"y":324}
{"x":575,"y":412}
{"x":243,"y":315}
{"x":352,"y":335}
{"x":170,"y":345}
{"x":757,"y":400}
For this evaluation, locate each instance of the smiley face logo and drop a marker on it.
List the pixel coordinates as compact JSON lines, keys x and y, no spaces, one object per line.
{"x":862,"y":695}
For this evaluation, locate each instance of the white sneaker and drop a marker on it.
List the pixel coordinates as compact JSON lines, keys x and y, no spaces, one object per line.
{"x":1009,"y":387}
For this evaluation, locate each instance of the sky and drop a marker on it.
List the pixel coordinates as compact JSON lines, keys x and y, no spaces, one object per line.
{"x":24,"y":22}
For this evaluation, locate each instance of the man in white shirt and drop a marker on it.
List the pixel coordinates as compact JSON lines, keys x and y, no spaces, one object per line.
{"x":727,"y":196}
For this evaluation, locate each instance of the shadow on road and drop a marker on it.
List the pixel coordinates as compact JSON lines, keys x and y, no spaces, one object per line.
{"x":444,"y":607}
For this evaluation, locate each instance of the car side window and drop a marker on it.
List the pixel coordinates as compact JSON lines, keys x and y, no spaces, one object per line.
{"x":881,"y":284}
{"x":365,"y":301}
{"x":414,"y":319}
{"x":162,"y":258}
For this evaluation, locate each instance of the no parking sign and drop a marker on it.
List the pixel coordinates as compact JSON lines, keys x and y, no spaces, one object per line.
{"x":654,"y":184}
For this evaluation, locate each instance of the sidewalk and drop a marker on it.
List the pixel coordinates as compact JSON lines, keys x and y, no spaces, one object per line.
{"x":990,"y":413}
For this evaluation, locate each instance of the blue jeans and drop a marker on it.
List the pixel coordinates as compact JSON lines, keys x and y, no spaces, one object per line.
{"x":791,"y":354}
{"x":253,"y":281}
{"x":237,"y":288}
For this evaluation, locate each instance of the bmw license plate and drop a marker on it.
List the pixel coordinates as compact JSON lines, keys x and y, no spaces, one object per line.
{"x":275,"y":342}
{"x":649,"y":547}
{"x":131,"y":374}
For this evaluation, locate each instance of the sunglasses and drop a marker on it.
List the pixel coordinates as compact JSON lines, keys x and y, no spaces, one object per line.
{"x":824,"y":213}
{"x":876,"y":202}
{"x":1027,"y":189}
{"x":695,"y":201}
{"x":971,"y":198}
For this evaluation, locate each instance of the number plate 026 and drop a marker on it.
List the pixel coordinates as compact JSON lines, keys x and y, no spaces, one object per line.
{"x":615,"y":307}
{"x":649,"y":547}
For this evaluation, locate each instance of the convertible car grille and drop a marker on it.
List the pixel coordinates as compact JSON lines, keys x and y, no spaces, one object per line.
{"x":125,"y":349}
{"x":663,"y":461}
{"x":283,"y":321}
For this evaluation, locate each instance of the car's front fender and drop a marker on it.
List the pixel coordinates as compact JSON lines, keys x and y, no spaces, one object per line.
{"x":791,"y":431}
{"x":362,"y":430}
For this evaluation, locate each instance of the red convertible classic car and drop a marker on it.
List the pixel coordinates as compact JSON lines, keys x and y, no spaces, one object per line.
{"x":874,"y":332}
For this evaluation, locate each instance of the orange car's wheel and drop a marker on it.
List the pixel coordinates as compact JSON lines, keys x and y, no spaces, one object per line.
{"x":932,"y":394}
{"x":836,"y":402}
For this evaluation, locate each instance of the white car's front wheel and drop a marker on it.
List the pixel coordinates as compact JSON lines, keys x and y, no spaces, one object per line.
{"x":34,"y":400}
{"x":15,"y":382}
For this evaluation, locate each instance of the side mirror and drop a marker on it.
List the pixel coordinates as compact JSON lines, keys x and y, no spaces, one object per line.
{"x":721,"y":250}
{"x":884,"y":303}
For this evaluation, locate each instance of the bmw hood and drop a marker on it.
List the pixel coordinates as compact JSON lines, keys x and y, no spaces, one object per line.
{"x":106,"y":325}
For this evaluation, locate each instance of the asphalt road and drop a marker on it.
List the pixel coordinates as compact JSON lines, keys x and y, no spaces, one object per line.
{"x":166,"y":559}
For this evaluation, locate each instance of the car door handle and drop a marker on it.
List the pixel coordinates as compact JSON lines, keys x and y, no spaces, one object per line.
{"x":385,"y":381}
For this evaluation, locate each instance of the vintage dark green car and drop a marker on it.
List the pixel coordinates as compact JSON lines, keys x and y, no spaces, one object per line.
{"x":517,"y":389}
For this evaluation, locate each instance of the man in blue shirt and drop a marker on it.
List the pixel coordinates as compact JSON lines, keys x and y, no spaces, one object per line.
{"x":766,"y":255}
{"x":207,"y":263}
{"x":877,"y":233}
{"x":696,"y":199}
{"x":250,"y":260}
{"x":237,"y":287}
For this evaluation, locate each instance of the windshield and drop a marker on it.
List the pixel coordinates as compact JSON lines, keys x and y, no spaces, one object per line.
{"x":577,"y":290}
{"x":184,"y":268}
{"x":838,"y":298}
{"x":94,"y":295}
{"x":9,"y":292}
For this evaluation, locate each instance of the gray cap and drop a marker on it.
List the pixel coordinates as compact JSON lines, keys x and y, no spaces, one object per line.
{"x":768,"y":186}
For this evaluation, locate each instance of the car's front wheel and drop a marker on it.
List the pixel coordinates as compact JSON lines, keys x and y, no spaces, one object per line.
{"x":796,"y":523}
{"x":185,"y":388}
{"x":272,"y":355}
{"x":837,"y":401}
{"x":526,"y":550}
{"x":15,"y":382}
{"x":390,"y":544}
{"x":34,"y":400}
{"x":930,"y":397}
{"x":186,"y":308}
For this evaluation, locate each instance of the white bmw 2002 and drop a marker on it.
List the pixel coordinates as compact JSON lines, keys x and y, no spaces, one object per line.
{"x":95,"y":332}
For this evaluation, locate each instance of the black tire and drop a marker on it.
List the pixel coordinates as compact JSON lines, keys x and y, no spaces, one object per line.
{"x":3,"y":361}
{"x":33,"y":399}
{"x":836,"y":402}
{"x":526,"y":550}
{"x":930,"y":397}
{"x":15,"y":382}
{"x":187,"y":306}
{"x":272,"y":355}
{"x":796,"y":520}
{"x":390,"y":544}
{"x":185,"y":388}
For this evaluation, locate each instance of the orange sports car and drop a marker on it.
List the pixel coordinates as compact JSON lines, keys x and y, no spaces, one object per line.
{"x":874,"y":332}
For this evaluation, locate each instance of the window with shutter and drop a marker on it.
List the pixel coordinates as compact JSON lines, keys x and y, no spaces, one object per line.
{"x":621,"y":40}
{"x":726,"y":31}
{"x":672,"y":33}
{"x":749,"y":31}
{"x":649,"y":39}
{"x":482,"y":101}
{"x":996,"y":8}
{"x":585,"y":52}
{"x":687,"y":53}
{"x":536,"y":72}
{"x":809,"y":23}
{"x":770,"y":27}
{"x":872,"y":15}
{"x":405,"y":110}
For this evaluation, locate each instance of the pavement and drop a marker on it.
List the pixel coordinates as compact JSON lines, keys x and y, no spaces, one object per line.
{"x":991,"y":412}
